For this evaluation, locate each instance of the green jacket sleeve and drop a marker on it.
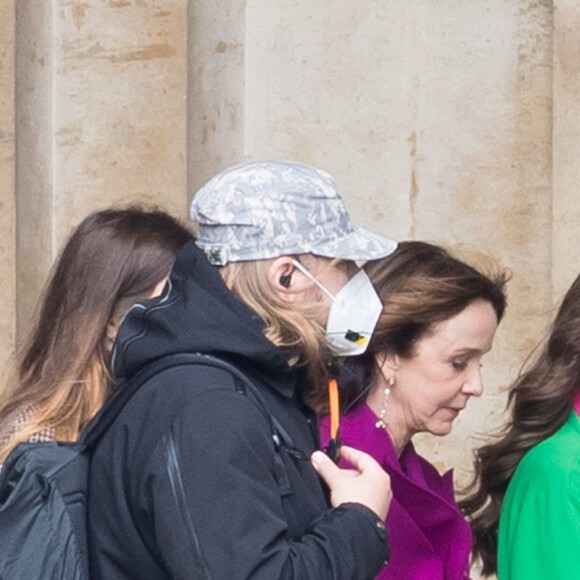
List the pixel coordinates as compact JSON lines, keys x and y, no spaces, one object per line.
{"x":539,"y":534}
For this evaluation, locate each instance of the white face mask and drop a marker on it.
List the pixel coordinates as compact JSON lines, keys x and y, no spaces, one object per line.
{"x":353,"y":314}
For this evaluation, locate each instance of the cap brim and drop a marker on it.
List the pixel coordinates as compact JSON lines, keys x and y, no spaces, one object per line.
{"x":360,"y":245}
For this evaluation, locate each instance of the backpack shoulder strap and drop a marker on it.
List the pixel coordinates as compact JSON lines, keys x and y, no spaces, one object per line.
{"x":103,"y":420}
{"x":125,"y":391}
{"x":280,"y":436}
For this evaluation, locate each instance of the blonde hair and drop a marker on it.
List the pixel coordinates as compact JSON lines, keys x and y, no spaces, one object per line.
{"x":65,"y":412}
{"x":290,"y":327}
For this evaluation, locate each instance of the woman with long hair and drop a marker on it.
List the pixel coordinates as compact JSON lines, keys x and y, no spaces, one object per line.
{"x":418,"y":373}
{"x":524,"y":505}
{"x":114,"y":258}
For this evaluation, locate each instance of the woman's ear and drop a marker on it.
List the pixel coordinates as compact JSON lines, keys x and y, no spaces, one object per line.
{"x":387,"y":362}
{"x":280,"y":276}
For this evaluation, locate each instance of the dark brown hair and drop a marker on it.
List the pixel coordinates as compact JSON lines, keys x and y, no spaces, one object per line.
{"x":113,"y":259}
{"x":541,"y":400}
{"x":420,"y":284}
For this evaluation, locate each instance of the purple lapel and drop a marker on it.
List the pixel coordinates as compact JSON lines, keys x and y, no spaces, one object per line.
{"x":428,"y":535}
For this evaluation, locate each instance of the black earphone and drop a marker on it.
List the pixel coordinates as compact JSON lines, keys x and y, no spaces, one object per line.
{"x":285,"y":279}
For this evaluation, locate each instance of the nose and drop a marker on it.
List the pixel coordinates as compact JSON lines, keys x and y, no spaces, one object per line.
{"x":473,"y":385}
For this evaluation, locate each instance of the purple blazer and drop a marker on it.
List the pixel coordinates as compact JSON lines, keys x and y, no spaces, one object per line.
{"x":429,"y":538}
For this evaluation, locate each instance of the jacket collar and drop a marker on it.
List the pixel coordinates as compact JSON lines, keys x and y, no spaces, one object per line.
{"x":197,"y":313}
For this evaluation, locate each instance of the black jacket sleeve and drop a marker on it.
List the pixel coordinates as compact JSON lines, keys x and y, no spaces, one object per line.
{"x":212,"y":499}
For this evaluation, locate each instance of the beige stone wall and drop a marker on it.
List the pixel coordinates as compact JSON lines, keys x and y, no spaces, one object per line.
{"x":7,"y":201}
{"x":101,"y":119}
{"x":453,"y":121}
{"x":217,"y":104}
{"x":566,"y":147}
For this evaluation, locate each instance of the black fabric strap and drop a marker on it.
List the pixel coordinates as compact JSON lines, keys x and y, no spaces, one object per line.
{"x":104,"y":419}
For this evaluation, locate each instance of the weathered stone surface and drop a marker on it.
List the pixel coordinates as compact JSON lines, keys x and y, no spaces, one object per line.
{"x":7,"y":201}
{"x":101,"y":90}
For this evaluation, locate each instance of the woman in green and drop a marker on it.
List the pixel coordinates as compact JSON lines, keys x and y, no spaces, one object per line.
{"x":525,"y":507}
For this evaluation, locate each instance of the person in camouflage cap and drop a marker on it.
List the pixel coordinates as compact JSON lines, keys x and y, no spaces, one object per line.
{"x":265,"y":209}
{"x":191,"y":475}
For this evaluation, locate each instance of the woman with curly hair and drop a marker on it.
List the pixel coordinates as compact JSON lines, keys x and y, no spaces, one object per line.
{"x":525,"y":503}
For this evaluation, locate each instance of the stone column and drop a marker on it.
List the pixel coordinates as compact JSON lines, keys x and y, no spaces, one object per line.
{"x":101,"y":119}
{"x":7,"y":205}
{"x":217,"y":88}
{"x":566,"y":147}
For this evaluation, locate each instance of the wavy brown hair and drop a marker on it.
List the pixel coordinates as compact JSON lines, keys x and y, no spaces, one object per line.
{"x":113,"y":259}
{"x":540,"y":401}
{"x":420,"y":284}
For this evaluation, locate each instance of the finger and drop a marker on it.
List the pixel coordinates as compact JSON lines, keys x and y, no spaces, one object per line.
{"x":324,"y":466}
{"x":360,"y":460}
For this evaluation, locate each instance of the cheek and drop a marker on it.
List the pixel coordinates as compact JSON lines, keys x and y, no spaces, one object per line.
{"x":418,"y":393}
{"x":322,"y":312}
{"x":426,"y":380}
{"x":159,"y":287}
{"x":437,"y":394}
{"x":341,"y":279}
{"x":448,"y":392}
{"x":334,"y":279}
{"x":315,"y":304}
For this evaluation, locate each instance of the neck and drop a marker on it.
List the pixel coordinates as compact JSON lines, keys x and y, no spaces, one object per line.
{"x":399,"y":441}
{"x":396,"y":429}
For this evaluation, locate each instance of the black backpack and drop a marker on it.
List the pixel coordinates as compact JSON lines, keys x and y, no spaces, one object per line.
{"x":43,"y":486}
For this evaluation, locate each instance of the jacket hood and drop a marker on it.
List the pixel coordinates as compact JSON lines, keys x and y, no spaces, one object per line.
{"x":197,"y":313}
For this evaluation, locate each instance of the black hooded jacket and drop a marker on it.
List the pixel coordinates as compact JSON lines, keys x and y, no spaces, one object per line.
{"x":185,"y":484}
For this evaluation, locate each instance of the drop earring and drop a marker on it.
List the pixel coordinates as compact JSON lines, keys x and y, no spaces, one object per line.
{"x":381,"y":423}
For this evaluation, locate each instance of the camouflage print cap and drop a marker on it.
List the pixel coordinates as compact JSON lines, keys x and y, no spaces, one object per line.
{"x":267,"y":209}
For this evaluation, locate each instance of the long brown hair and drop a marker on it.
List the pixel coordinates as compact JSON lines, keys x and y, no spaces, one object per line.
{"x":113,"y":259}
{"x":420,"y":284}
{"x":541,"y":400}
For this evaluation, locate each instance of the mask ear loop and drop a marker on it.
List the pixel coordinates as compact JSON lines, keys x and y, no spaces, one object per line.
{"x":302,"y":269}
{"x":333,"y":449}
